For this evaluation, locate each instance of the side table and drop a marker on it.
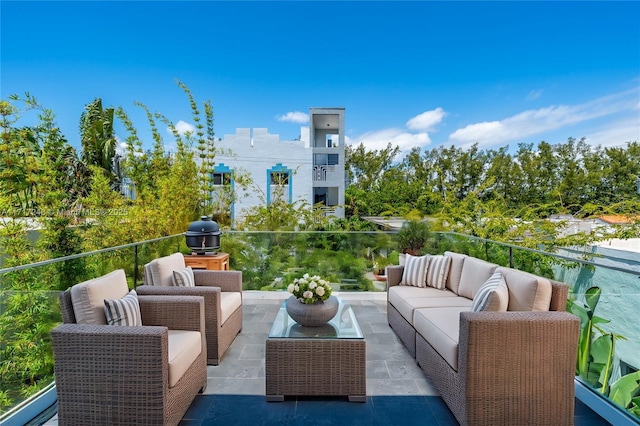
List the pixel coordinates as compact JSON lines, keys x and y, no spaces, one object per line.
{"x":212,"y":262}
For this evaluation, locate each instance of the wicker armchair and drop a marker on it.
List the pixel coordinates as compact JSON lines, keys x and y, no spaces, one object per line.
{"x":133,"y":375}
{"x":222,"y":291}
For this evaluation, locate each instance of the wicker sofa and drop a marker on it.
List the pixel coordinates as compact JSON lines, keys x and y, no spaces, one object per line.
{"x":514,"y":366}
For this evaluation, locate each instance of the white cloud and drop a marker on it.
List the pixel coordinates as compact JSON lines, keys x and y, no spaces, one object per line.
{"x":183,"y":127}
{"x":534,"y":94}
{"x":294,"y":117}
{"x":617,"y":133}
{"x":121,"y":146}
{"x":397,"y":137}
{"x":427,"y":120}
{"x":404,"y":139}
{"x":533,"y":122}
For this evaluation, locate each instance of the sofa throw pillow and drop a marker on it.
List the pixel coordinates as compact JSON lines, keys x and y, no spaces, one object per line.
{"x":184,"y":277}
{"x":438,"y":271}
{"x":493,"y":295}
{"x":415,"y":271}
{"x":124,"y":311}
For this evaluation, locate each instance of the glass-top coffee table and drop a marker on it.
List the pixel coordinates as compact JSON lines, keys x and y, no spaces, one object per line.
{"x":329,"y":360}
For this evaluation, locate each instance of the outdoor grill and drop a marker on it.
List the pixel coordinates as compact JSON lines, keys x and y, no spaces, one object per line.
{"x":203,"y":236}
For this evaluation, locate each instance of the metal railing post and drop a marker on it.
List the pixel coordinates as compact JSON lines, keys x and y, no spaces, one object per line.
{"x":135,"y":267}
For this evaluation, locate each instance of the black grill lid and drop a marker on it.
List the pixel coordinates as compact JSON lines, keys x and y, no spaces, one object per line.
{"x":204,"y":226}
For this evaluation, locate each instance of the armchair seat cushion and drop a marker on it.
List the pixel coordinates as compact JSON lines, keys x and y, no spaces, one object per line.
{"x":184,"y":347}
{"x":229,"y":302}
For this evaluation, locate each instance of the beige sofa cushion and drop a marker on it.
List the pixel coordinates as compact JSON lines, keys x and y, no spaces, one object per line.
{"x":401,"y":296}
{"x":88,"y":297}
{"x":527,"y":292}
{"x":184,"y":348}
{"x":229,"y":302}
{"x":440,"y":327}
{"x":455,"y":270}
{"x":162,"y":269}
{"x":475,"y":272}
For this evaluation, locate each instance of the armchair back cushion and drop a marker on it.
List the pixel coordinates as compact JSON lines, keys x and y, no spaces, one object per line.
{"x":88,"y":297}
{"x":162,"y":269}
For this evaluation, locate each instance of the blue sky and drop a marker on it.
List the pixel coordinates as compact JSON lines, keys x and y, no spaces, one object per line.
{"x":410,"y":73}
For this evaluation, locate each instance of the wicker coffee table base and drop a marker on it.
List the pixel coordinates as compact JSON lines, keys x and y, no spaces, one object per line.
{"x":315,"y":367}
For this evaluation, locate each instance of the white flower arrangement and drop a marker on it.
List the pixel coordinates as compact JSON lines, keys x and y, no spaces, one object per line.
{"x":310,"y":289}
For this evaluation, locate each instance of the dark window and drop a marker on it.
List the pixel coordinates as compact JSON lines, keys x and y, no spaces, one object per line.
{"x":325,"y":159}
{"x":222,"y":178}
{"x":279,"y":178}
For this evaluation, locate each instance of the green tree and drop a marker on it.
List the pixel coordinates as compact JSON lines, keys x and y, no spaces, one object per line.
{"x":97,"y":136}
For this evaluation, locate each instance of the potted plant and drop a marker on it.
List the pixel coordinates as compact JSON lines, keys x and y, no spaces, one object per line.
{"x":380,"y":264}
{"x":413,"y":236}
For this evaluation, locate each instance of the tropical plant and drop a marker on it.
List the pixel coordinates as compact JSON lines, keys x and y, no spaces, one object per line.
{"x":413,"y":236}
{"x":595,"y":349}
{"x":98,"y":136}
{"x":596,"y":355}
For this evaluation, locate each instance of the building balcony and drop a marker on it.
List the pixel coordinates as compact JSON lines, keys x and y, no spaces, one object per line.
{"x":397,"y":390}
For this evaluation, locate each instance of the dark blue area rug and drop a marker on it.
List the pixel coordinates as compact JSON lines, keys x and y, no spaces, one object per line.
{"x":377,"y":410}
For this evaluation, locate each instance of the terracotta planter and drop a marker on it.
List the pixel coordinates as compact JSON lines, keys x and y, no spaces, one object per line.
{"x":314,"y":314}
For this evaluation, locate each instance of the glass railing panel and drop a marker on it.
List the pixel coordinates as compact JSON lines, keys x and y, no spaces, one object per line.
{"x":29,"y":310}
{"x":351,"y":261}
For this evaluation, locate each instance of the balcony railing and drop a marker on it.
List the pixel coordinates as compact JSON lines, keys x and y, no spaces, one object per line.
{"x":29,"y":307}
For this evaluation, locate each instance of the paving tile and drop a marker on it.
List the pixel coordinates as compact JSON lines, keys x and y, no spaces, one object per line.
{"x":377,"y":370}
{"x":377,"y":387}
{"x":240,"y":386}
{"x":404,"y":369}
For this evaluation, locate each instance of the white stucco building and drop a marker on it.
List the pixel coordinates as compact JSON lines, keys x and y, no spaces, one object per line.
{"x":311,"y":169}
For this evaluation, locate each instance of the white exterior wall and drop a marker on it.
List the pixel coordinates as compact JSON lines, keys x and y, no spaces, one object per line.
{"x":254,"y":153}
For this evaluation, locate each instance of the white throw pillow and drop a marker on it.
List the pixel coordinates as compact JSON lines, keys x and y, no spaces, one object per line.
{"x":124,"y":311}
{"x":184,"y":277}
{"x":493,"y":295}
{"x":438,"y":271}
{"x":415,"y":271}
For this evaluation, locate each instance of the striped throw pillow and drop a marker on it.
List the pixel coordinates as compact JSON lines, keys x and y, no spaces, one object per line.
{"x":415,"y":270}
{"x":493,"y":295}
{"x":438,"y":271}
{"x":124,"y":311}
{"x":184,"y":277}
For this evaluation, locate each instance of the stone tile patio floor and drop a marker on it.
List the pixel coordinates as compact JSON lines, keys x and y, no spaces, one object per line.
{"x":390,"y":368}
